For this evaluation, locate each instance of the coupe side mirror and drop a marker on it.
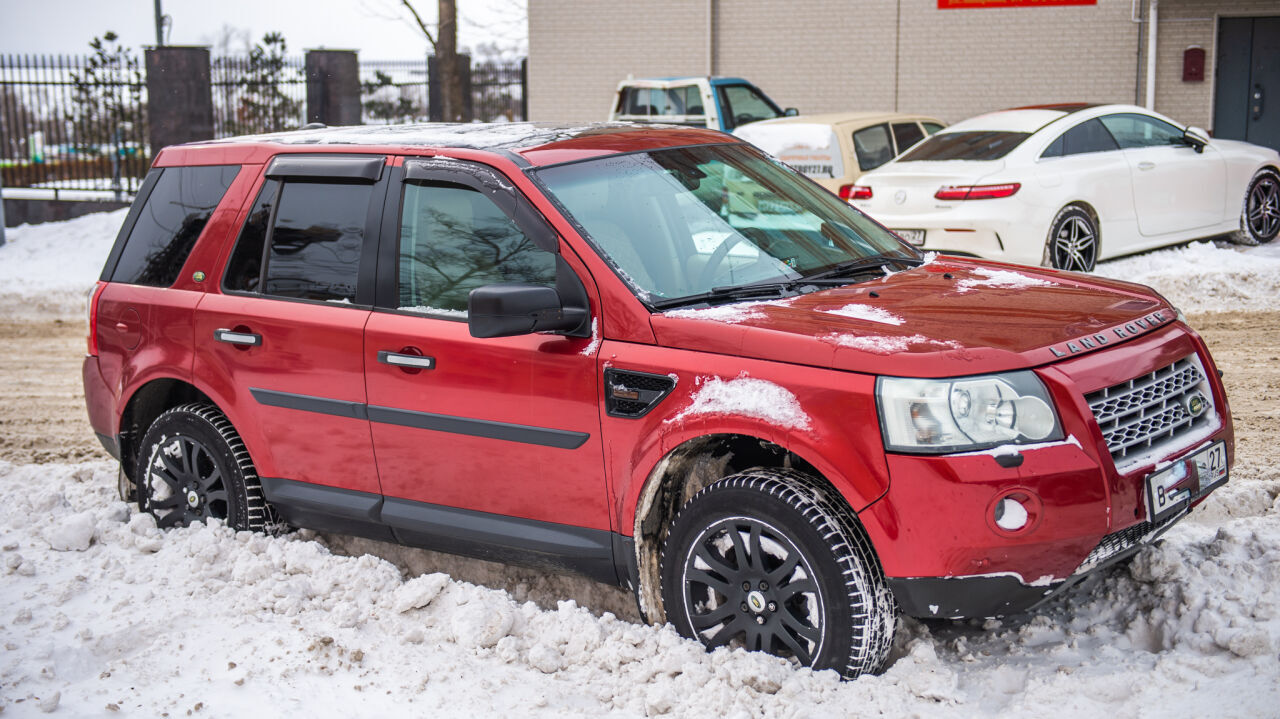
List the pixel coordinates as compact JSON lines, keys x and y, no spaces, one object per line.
{"x":1196,"y":137}
{"x":507,"y":310}
{"x":790,"y":112}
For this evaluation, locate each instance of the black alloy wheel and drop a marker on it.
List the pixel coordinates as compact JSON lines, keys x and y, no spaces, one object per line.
{"x":193,"y":466}
{"x":772,"y":560}
{"x":1262,"y":208}
{"x":1073,"y":241}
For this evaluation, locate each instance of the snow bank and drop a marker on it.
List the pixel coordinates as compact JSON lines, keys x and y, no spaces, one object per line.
{"x":1207,"y":276}
{"x":46,"y":269}
{"x":221,"y":624}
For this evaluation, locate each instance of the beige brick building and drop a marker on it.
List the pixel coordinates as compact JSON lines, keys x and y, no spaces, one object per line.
{"x":905,"y":55}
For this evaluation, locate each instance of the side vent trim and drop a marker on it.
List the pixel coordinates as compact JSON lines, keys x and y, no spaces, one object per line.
{"x":631,"y":394}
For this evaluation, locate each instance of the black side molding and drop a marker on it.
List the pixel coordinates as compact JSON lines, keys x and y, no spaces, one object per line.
{"x":307,"y":403}
{"x":559,"y":438}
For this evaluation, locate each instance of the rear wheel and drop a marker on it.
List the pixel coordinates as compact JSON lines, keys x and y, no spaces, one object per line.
{"x":192,"y":466}
{"x":770,"y":560}
{"x":1073,"y":241}
{"x":1260,"y":221}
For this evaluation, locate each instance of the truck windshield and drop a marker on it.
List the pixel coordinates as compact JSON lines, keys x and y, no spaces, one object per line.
{"x":694,"y":221}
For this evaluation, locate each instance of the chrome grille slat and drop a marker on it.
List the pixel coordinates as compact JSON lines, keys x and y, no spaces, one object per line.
{"x":1149,"y":412}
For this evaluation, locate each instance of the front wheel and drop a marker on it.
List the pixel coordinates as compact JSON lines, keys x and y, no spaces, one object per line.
{"x":1260,"y":220}
{"x":1073,"y":241}
{"x":772,"y":560}
{"x":193,"y":466}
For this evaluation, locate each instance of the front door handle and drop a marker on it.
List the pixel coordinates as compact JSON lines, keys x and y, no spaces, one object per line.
{"x":247,"y":339}
{"x":1146,"y":165}
{"x":406,"y":361}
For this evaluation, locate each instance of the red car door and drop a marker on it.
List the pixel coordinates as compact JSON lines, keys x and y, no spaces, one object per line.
{"x":504,"y":426}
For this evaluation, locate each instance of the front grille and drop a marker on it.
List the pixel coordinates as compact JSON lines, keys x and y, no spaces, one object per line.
{"x":1117,"y":542}
{"x":1149,"y":414}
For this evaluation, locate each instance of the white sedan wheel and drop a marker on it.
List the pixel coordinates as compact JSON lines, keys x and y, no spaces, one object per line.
{"x":1073,"y":241}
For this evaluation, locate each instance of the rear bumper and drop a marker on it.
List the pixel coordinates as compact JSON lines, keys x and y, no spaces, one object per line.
{"x":101,"y":405}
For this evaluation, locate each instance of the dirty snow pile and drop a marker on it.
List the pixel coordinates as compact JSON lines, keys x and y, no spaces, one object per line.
{"x":102,"y":613}
{"x":1206,"y":276}
{"x":46,"y":270}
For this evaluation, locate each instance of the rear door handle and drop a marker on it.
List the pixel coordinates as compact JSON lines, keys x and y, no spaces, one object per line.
{"x":247,"y":339}
{"x":396,"y":359}
{"x":1146,"y":165}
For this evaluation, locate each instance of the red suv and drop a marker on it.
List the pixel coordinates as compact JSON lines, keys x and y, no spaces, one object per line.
{"x":653,"y":356}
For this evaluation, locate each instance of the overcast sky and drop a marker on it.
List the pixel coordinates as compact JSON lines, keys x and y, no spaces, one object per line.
{"x":379,"y":29}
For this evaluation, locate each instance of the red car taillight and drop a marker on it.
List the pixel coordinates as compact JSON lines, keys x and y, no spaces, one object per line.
{"x":94,"y":294}
{"x":976,"y":192}
{"x":855,"y":192}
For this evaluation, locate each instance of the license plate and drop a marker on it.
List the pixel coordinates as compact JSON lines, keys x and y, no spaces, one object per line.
{"x":915,"y":237}
{"x":1172,"y":488}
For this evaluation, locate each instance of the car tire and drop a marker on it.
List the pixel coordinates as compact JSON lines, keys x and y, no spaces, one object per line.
{"x":1073,"y":240}
{"x":193,"y":466}
{"x":1260,"y":211}
{"x":737,"y":565}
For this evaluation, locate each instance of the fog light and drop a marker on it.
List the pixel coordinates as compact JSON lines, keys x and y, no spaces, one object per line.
{"x":1010,"y":515}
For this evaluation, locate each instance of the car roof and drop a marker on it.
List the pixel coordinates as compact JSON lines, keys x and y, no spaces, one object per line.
{"x":532,"y":143}
{"x":842,"y":118}
{"x":713,"y":79}
{"x":1035,"y":117}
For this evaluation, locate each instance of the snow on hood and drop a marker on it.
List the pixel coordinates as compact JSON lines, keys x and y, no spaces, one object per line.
{"x":1000,"y":278}
{"x":746,"y":396}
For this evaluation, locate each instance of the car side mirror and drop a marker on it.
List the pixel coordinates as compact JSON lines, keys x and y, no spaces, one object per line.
{"x":507,"y":310}
{"x":1196,"y":137}
{"x":790,"y":112}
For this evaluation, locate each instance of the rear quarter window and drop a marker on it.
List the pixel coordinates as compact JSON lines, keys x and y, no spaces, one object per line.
{"x":171,"y":219}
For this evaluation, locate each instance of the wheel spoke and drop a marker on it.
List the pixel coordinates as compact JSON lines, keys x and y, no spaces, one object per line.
{"x":739,"y":549}
{"x":717,"y":565}
{"x":702,"y":577}
{"x":219,"y":495}
{"x":804,"y":631}
{"x":790,"y":590}
{"x":171,"y":467}
{"x":170,"y":520}
{"x":801,"y":652}
{"x":785,"y":570}
{"x":169,"y":502}
{"x":213,"y":480}
{"x":755,"y":556}
{"x":711,"y":618}
{"x":727,"y":632}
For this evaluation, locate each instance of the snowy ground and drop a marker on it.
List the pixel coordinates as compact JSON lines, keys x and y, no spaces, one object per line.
{"x":101,"y":614}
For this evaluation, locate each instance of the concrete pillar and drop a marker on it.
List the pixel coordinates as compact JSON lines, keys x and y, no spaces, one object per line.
{"x":179,"y":96}
{"x":333,"y":87}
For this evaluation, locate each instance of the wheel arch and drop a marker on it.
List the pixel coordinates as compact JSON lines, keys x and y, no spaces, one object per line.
{"x":681,"y":473}
{"x":147,"y":402}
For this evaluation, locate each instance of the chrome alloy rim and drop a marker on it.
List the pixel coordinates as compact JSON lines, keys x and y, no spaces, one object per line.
{"x":186,"y":484}
{"x":1075,"y":245}
{"x":1264,"y":208}
{"x":745,"y":584}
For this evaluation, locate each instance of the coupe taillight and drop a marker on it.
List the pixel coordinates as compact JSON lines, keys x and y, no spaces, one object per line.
{"x":92,"y":308}
{"x":976,"y":192}
{"x":855,"y":192}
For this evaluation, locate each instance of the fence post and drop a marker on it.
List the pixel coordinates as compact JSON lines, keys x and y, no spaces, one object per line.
{"x":435,"y":92}
{"x":333,"y":87}
{"x":464,"y":79}
{"x":1,"y":210}
{"x":524,"y":89}
{"x":179,"y":96}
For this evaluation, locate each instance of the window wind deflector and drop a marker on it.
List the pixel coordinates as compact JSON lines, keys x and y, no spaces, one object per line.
{"x":362,"y":168}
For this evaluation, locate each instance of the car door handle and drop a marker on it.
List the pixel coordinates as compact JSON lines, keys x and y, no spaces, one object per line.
{"x":1257,"y":101}
{"x":232,"y":337}
{"x":1146,"y":165}
{"x":397,"y":359}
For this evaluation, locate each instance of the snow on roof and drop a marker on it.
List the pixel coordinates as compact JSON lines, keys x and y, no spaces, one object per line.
{"x":475,"y":135}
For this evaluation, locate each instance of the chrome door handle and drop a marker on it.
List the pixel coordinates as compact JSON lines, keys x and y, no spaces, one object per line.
{"x":396,"y":359}
{"x":232,"y":337}
{"x":1146,"y":165}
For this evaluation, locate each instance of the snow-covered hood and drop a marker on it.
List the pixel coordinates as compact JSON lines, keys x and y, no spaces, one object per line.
{"x":949,"y":317}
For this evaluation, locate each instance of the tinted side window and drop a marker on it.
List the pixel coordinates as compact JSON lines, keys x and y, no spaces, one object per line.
{"x":316,"y":241}
{"x":172,"y":219}
{"x":245,"y":268}
{"x":872,"y":146}
{"x":453,"y":239}
{"x":931,"y":127}
{"x":1087,"y":137}
{"x":906,"y":134}
{"x":971,"y":145}
{"x":1141,"y":131}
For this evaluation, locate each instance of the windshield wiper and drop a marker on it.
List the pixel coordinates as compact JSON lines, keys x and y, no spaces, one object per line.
{"x":720,"y":294}
{"x":863,"y":264}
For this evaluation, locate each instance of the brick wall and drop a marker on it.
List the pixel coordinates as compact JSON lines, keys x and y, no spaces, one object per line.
{"x":831,"y":55}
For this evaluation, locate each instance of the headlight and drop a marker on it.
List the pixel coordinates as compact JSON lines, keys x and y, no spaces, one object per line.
{"x":933,"y":416}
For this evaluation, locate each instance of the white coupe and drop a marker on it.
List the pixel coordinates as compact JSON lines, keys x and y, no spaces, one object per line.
{"x":1068,"y":185}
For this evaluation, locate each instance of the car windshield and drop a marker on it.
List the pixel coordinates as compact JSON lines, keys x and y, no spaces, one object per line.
{"x":972,"y":145}
{"x":698,"y":223}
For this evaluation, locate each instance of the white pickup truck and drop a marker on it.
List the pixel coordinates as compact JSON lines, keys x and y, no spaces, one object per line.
{"x":720,"y":103}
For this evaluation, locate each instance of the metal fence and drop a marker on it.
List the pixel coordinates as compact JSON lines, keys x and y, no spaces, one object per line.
{"x":497,"y":91}
{"x":73,"y":123}
{"x":393,"y":91}
{"x":253,"y":95}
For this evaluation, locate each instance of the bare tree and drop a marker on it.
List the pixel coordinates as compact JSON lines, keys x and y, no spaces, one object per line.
{"x":444,"y":43}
